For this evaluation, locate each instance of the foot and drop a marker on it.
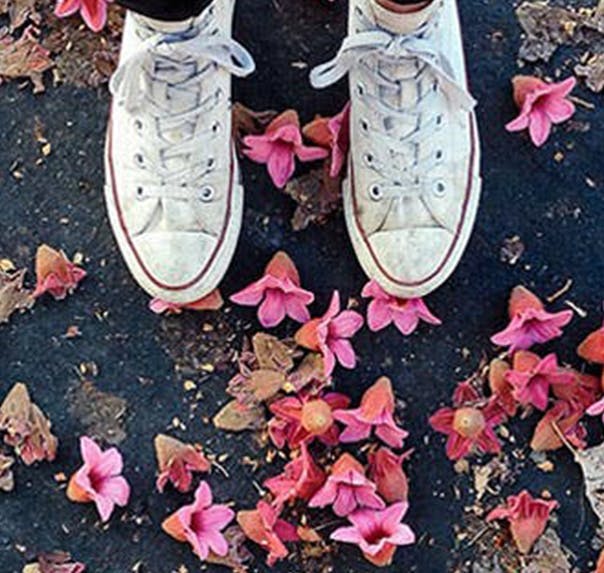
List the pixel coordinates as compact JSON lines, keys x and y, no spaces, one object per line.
{"x":173,"y":189}
{"x":413,"y":183}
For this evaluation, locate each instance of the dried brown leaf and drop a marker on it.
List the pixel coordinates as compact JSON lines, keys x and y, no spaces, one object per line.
{"x":19,"y":12}
{"x":593,"y":72}
{"x":548,"y":555}
{"x":55,"y":562}
{"x":24,"y":57}
{"x":237,"y":417}
{"x":238,"y":554}
{"x":7,"y":480}
{"x":246,"y":121}
{"x":318,"y":196}
{"x":13,"y":297}
{"x":272,"y":353}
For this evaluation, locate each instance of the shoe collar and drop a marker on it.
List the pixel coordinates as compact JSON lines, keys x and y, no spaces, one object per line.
{"x":403,"y":23}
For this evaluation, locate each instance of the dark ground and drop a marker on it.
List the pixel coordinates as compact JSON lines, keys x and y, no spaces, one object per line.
{"x":526,"y":193}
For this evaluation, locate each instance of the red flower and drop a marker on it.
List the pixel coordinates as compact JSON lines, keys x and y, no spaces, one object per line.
{"x":469,"y":428}
{"x":530,"y":323}
{"x":303,"y":418}
{"x":263,"y":526}
{"x":527,"y":517}
{"x":376,"y":412}
{"x":386,"y":470}
{"x":301,"y":479}
{"x":531,"y":378}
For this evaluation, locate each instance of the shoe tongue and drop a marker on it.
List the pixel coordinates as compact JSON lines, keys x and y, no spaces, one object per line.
{"x":402,"y":23}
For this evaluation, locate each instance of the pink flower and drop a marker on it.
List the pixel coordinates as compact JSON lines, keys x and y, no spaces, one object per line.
{"x":541,"y":105}
{"x":201,"y":524}
{"x":596,"y":409}
{"x":300,"y":480}
{"x":212,"y":301}
{"x":385,"y":309}
{"x":94,"y":12}
{"x":302,"y":418}
{"x":99,"y":479}
{"x":530,"y":323}
{"x":347,"y":489}
{"x":177,"y":462}
{"x":377,"y":533}
{"x":330,"y":335}
{"x":55,"y":273}
{"x":468,"y":428}
{"x":280,"y":293}
{"x":376,"y":412}
{"x":527,"y":517}
{"x":332,"y":133}
{"x":279,"y":147}
{"x":386,"y":470}
{"x":263,"y":526}
{"x":531,"y":378}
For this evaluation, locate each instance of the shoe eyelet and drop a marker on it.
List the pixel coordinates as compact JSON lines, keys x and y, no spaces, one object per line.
{"x":216,"y":126}
{"x":435,"y":86}
{"x":364,"y":125}
{"x":360,"y":89}
{"x":375,"y":193}
{"x":206,"y":194}
{"x":139,"y":159}
{"x":439,"y":119}
{"x":138,"y":125}
{"x":140,"y":192}
{"x":439,"y":154}
{"x":439,"y":188}
{"x":211,"y":162}
{"x":368,"y":159}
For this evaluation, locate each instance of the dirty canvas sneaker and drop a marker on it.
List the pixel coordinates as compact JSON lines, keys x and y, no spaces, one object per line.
{"x":173,"y":188}
{"x":413,"y":181}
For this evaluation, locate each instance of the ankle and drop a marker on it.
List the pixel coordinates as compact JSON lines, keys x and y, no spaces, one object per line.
{"x":393,"y":6}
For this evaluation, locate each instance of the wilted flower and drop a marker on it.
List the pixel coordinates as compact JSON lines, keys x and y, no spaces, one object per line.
{"x":385,"y":309}
{"x":279,"y":292}
{"x":177,"y":461}
{"x":541,"y":105}
{"x":100,"y":479}
{"x":527,"y":517}
{"x":532,"y":376}
{"x":304,"y":417}
{"x":501,"y":387}
{"x":332,"y":133}
{"x":566,"y":416}
{"x":55,"y":273}
{"x":213,"y":301}
{"x":93,"y":12}
{"x":347,"y":489}
{"x":263,"y":526}
{"x":468,"y":428}
{"x":376,"y":412}
{"x":300,"y":480}
{"x":592,"y":348}
{"x":201,"y":524}
{"x":279,"y":146}
{"x":330,"y":335}
{"x":386,"y":471}
{"x":582,"y":392}
{"x":377,"y":533}
{"x":530,"y":323}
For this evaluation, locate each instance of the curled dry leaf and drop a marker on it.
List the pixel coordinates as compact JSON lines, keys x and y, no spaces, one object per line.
{"x":13,"y":297}
{"x":237,"y":417}
{"x":238,"y":554}
{"x":55,"y":562}
{"x":24,"y":58}
{"x":19,"y":12}
{"x":272,"y":353}
{"x":27,"y":428}
{"x":7,"y":480}
{"x":318,"y":196}
{"x":246,"y":121}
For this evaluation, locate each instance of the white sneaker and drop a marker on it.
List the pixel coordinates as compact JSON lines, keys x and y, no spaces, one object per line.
{"x":173,"y":188}
{"x":413,"y":183}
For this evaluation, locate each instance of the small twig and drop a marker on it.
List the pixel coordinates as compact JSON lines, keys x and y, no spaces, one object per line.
{"x":567,"y":286}
{"x":563,"y":439}
{"x":221,"y":468}
{"x":583,"y":103}
{"x":477,"y":536}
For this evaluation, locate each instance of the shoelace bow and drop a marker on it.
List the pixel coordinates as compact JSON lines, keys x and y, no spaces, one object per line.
{"x":130,"y":85}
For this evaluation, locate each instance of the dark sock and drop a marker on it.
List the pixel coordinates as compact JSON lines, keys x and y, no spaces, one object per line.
{"x":167,"y":10}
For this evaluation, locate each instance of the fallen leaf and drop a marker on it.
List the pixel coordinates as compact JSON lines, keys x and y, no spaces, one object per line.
{"x":27,"y":428}
{"x":24,"y":58}
{"x":318,"y":196}
{"x":593,"y":72}
{"x":237,"y":417}
{"x":272,"y":353}
{"x":548,"y":555}
{"x":13,"y":297}
{"x":19,"y":12}
{"x":238,"y":554}
{"x":177,"y":461}
{"x":7,"y":480}
{"x":249,"y":122}
{"x":55,"y":562}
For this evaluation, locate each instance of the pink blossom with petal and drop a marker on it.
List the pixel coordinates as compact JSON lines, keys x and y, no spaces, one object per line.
{"x":201,"y":524}
{"x":377,"y":533}
{"x":93,"y":12}
{"x":330,"y":335}
{"x":279,"y":147}
{"x":386,"y":309}
{"x":280,"y":293}
{"x":376,"y":412}
{"x":596,"y":409}
{"x":100,"y":479}
{"x":530,"y":323}
{"x":347,"y":489}
{"x":212,"y":301}
{"x":541,"y":105}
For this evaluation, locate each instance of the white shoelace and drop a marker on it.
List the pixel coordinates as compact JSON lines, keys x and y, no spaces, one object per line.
{"x":131,"y":86}
{"x":388,"y":47}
